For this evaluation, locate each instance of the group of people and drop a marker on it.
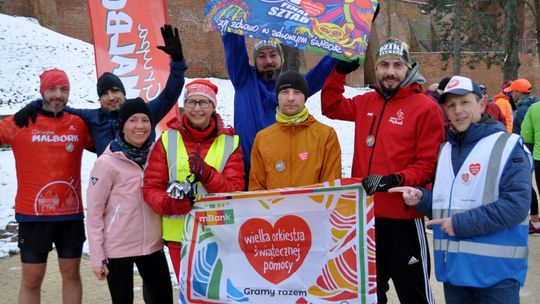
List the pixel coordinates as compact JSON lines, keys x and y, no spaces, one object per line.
{"x":140,"y":190}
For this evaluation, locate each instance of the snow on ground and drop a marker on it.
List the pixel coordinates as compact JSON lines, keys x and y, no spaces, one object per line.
{"x":26,"y":49}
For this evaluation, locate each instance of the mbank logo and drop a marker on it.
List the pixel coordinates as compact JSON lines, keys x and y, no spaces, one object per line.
{"x":215,"y":217}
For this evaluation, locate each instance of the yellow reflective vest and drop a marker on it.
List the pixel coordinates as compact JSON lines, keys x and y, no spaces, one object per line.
{"x":178,"y":164}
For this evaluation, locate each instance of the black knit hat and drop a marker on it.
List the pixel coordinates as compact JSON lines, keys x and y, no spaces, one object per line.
{"x":130,"y":107}
{"x":292,"y":79}
{"x":109,"y":81}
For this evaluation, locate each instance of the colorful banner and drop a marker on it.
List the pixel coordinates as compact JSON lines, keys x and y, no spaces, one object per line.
{"x":125,"y":34}
{"x":298,"y":245}
{"x":336,"y":27}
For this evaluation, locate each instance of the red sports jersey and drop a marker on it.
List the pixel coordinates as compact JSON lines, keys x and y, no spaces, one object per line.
{"x":48,"y":161}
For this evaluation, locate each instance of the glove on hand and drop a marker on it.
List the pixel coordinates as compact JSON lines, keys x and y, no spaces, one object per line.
{"x":199,"y":167}
{"x":173,"y":46}
{"x":344,"y":67}
{"x":22,"y":116}
{"x":380,"y":183}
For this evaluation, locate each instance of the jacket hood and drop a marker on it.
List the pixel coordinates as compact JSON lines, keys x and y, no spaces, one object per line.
{"x":501,"y":95}
{"x":414,"y":76}
{"x":476,"y":131}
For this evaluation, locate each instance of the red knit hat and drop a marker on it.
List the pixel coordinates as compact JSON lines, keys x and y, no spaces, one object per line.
{"x":202,"y":87}
{"x":53,"y":77}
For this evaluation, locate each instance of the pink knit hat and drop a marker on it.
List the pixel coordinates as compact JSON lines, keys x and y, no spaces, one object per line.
{"x":202,"y":87}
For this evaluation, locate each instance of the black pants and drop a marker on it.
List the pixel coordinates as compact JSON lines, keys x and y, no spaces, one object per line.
{"x":403,"y":256}
{"x":534,"y":199}
{"x":153,"y":270}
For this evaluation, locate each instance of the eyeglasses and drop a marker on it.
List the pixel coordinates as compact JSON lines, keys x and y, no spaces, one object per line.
{"x":204,"y":104}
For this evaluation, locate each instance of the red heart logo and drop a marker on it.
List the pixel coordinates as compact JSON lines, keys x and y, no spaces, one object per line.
{"x":465,"y":177}
{"x":312,"y":9}
{"x":474,"y":169}
{"x":275,"y":252}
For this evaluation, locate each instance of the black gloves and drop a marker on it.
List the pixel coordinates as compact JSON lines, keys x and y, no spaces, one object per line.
{"x":344,"y":67}
{"x":173,"y":46}
{"x":22,"y":116}
{"x":381,"y":183}
{"x":199,"y":167}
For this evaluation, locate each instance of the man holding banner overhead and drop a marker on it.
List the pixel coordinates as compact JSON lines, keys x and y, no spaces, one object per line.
{"x":397,"y":136}
{"x":254,"y":99}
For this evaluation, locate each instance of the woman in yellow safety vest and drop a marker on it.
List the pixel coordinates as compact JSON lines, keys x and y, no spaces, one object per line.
{"x":197,"y":147}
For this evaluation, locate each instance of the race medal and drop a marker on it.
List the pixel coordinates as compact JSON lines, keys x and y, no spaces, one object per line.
{"x":370,"y":140}
{"x":70,"y":147}
{"x":280,"y":166}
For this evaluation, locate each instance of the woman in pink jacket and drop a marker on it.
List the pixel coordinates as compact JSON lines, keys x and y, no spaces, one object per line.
{"x":122,"y":229}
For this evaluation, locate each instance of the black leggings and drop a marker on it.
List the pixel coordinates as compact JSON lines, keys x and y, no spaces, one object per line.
{"x":534,"y":199}
{"x":153,"y":270}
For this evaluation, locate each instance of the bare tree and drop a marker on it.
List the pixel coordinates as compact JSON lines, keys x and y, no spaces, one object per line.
{"x":292,"y":60}
{"x":511,"y":39}
{"x":534,"y":7}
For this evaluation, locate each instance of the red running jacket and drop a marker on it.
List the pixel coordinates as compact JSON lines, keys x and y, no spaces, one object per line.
{"x":404,"y":132}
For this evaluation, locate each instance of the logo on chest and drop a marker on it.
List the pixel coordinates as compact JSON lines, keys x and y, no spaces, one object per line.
{"x":397,"y":119}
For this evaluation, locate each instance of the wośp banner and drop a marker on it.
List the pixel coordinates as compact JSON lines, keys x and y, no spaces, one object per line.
{"x":336,"y":27}
{"x":125,"y":34}
{"x":297,"y":245}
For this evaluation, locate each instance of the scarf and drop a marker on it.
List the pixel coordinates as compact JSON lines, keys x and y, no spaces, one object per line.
{"x":197,"y":134}
{"x":297,"y":118}
{"x":138,"y":155}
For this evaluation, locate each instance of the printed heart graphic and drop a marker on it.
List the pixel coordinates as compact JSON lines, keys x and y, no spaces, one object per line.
{"x":312,"y":9}
{"x":474,"y":169}
{"x":465,"y":177}
{"x":275,"y":252}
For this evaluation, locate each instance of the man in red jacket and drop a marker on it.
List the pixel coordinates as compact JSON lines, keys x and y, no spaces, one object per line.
{"x":398,"y":131}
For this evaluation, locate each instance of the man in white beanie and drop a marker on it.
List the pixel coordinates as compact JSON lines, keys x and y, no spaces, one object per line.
{"x":398,"y":131}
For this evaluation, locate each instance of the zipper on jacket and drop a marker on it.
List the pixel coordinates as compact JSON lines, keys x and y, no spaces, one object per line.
{"x":376,"y":133}
{"x":144,"y":225}
{"x":116,"y":216}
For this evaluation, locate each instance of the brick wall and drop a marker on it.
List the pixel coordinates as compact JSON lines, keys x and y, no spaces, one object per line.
{"x":204,"y":51}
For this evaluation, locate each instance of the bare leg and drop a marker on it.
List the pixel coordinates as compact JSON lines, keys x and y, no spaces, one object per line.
{"x":32,"y":277}
{"x":71,"y":280}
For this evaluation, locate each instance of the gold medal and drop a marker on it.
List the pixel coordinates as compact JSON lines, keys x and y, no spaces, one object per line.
{"x":370,"y":140}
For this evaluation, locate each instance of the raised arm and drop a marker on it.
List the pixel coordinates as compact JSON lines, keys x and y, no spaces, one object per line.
{"x":161,"y":105}
{"x":236,"y":58}
{"x":317,"y":75}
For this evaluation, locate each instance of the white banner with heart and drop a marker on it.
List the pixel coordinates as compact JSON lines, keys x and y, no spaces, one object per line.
{"x":298,"y":245}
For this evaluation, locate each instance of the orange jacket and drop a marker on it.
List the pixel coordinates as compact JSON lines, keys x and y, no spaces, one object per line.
{"x":292,"y":155}
{"x":503,"y":102}
{"x":48,"y":162}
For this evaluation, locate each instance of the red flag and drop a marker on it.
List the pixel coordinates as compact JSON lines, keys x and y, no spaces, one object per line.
{"x":125,"y":35}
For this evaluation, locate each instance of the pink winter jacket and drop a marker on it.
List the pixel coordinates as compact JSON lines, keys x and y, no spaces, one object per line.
{"x":119,"y":222}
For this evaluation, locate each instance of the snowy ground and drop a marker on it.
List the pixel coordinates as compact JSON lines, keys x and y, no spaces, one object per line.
{"x":26,"y":49}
